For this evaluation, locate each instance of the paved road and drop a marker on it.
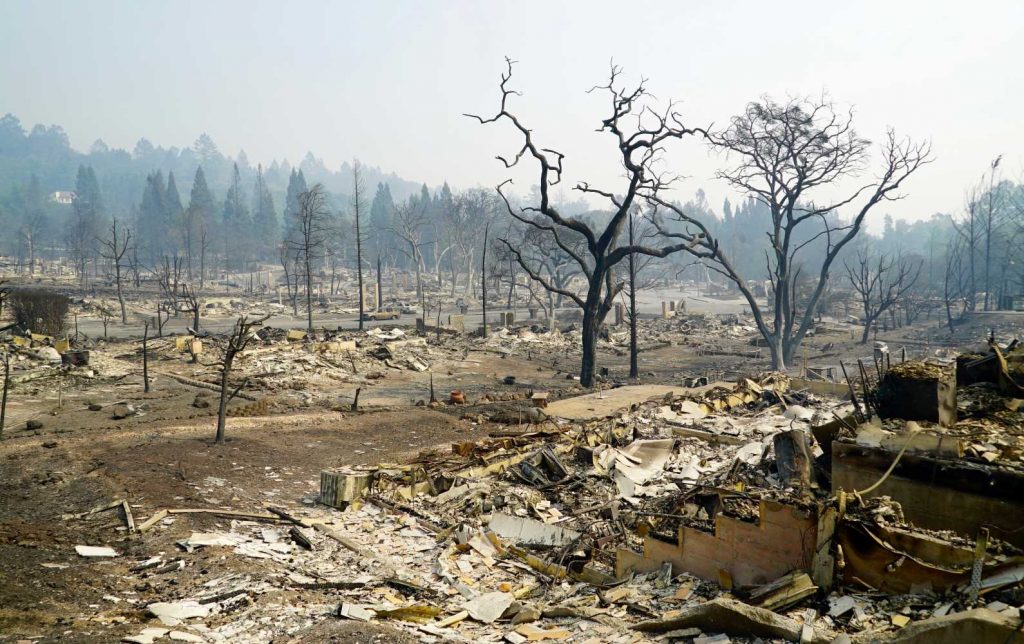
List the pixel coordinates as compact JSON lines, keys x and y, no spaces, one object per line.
{"x":649,"y":303}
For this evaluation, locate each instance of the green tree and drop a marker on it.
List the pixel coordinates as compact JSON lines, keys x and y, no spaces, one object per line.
{"x":266,"y":229}
{"x":152,"y":218}
{"x":174,"y":215}
{"x":237,"y":224}
{"x":200,"y":220}
{"x":382,"y":220}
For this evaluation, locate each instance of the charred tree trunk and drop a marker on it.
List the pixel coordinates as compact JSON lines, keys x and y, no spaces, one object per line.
{"x":483,"y":282}
{"x":309,"y":295}
{"x":222,"y":406}
{"x":3,"y":399}
{"x":588,"y":364}
{"x":359,"y":270}
{"x":634,"y":369}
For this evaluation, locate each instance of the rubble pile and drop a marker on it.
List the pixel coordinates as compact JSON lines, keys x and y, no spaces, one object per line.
{"x":728,"y":510}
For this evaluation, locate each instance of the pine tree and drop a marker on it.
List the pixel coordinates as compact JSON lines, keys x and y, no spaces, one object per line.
{"x":264,"y":218}
{"x":152,"y":218}
{"x":88,"y":198}
{"x":382,"y":215}
{"x":200,"y":224}
{"x":175,"y":216}
{"x":296,"y":186}
{"x":237,"y":225}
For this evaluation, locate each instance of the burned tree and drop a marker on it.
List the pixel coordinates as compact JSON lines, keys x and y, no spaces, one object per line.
{"x":410,"y":219}
{"x":957,"y":282}
{"x":290,"y":265}
{"x":190,"y":298}
{"x":483,"y":281}
{"x":3,"y":396}
{"x":311,"y":229}
{"x":241,"y":335}
{"x":169,"y":275}
{"x":788,"y":153}
{"x":639,"y":133}
{"x":880,"y":283}
{"x":357,"y":207}
{"x":5,"y":291}
{"x":113,"y":249}
{"x":551,"y":262}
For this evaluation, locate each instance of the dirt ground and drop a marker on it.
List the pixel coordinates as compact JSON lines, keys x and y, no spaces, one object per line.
{"x":164,"y":457}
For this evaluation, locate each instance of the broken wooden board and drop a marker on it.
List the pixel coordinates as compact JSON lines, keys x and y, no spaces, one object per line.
{"x":784,"y":592}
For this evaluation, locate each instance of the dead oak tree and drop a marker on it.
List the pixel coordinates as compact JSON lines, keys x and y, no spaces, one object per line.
{"x":410,"y":223}
{"x":787,"y":154}
{"x":880,"y":283}
{"x":241,"y":335}
{"x":113,"y":249}
{"x":639,"y":133}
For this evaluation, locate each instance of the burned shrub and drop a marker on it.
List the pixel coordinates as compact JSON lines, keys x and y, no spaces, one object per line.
{"x":39,"y":310}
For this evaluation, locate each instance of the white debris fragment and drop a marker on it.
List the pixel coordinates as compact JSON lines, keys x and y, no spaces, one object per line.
{"x":173,"y":613}
{"x":213,"y":539}
{"x":147,"y":636}
{"x":488,"y":607}
{"x":356,"y":612}
{"x":96,"y":551}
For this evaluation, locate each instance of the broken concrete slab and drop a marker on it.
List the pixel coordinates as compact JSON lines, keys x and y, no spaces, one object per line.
{"x":732,"y":617}
{"x":977,"y":625}
{"x":606,"y":403}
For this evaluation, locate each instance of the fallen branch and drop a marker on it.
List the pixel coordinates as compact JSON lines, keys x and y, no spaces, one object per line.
{"x":228,"y":513}
{"x":203,"y":385}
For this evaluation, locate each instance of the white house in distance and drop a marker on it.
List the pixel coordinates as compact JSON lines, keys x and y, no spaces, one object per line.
{"x":65,"y":197}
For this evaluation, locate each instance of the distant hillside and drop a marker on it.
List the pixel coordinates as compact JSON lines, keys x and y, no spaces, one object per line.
{"x":45,"y":151}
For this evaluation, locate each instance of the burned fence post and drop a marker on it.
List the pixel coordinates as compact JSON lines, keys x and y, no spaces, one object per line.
{"x":3,"y":400}
{"x":145,"y":357}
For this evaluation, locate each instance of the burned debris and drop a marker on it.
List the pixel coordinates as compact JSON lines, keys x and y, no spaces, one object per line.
{"x":656,"y":374}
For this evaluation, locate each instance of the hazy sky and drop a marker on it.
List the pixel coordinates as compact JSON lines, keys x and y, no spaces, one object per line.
{"x":388,"y":81}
